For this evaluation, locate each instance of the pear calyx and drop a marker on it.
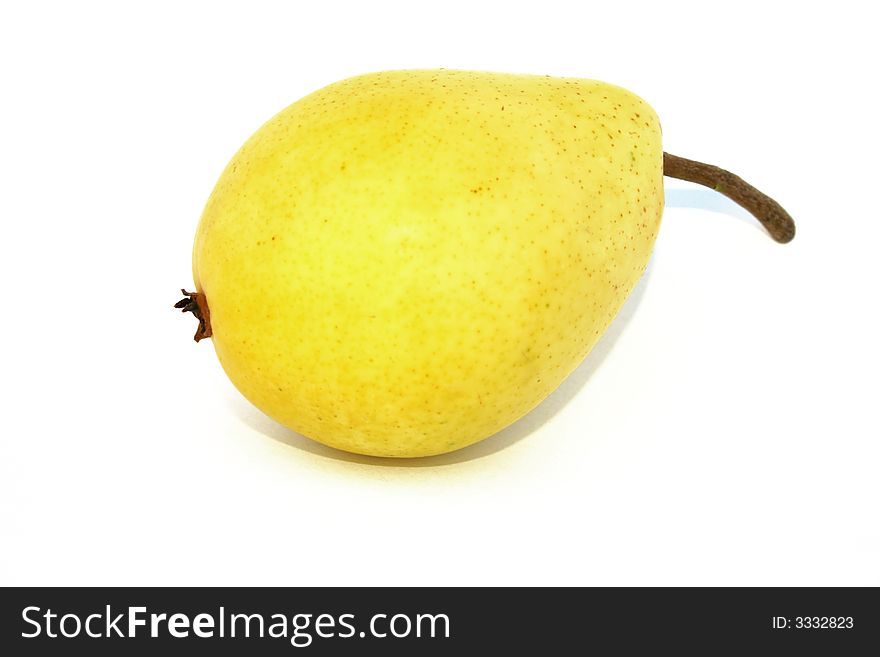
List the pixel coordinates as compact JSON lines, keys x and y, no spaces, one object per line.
{"x":197,"y":304}
{"x":772,"y":216}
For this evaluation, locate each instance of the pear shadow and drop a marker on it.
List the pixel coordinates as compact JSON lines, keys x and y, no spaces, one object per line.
{"x":522,"y":428}
{"x":702,"y":198}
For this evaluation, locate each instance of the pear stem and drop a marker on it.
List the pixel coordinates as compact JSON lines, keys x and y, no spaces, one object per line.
{"x":772,"y":216}
{"x":197,"y":304}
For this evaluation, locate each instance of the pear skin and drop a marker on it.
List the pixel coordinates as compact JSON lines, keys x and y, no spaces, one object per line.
{"x":404,"y":263}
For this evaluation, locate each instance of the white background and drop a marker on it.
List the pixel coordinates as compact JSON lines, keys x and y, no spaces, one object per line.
{"x":724,"y":431}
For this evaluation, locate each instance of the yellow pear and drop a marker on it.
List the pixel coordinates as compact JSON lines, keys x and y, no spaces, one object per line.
{"x":404,"y":263}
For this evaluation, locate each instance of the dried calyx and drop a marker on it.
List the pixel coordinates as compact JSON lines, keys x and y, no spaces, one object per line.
{"x":197,"y":304}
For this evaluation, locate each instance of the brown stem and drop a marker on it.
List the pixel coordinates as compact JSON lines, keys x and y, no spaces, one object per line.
{"x":197,"y":304}
{"x":772,"y":216}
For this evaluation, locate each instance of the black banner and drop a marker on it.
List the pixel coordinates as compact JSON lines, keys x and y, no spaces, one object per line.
{"x":418,"y":621}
